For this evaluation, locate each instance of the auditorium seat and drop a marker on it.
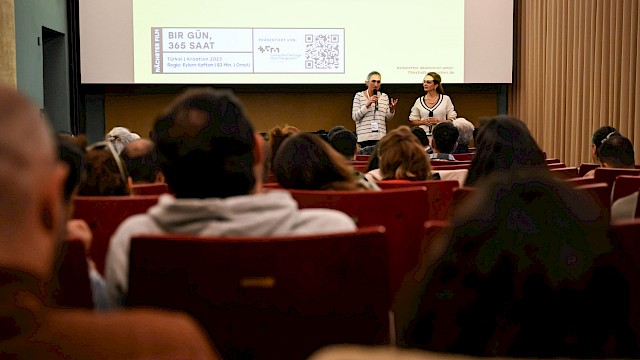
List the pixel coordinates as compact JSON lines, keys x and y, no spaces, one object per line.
{"x":439,"y":193}
{"x":444,"y":166}
{"x":552,"y":161}
{"x":401,"y":211}
{"x":586,"y":167}
{"x":149,"y":189}
{"x":557,"y":165}
{"x":625,"y":235}
{"x":269,"y":298}
{"x":464,"y":157}
{"x":601,"y":193}
{"x":565,"y":172}
{"x":624,"y":185}
{"x":581,"y":181}
{"x":460,"y":195}
{"x":363,"y":157}
{"x":104,"y":214}
{"x":608,"y":175}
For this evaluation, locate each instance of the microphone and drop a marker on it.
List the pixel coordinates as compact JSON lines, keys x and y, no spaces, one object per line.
{"x":375,"y":92}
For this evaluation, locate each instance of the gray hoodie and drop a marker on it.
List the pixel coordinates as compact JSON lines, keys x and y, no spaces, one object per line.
{"x":273,"y":213}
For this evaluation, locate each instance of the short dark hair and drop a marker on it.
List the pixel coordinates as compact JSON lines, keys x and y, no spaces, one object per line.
{"x":421,"y":135}
{"x":141,"y":160}
{"x":445,"y":136}
{"x":334,"y":130}
{"x":617,"y":151}
{"x":345,"y":142}
{"x":71,"y":154}
{"x":205,"y":145}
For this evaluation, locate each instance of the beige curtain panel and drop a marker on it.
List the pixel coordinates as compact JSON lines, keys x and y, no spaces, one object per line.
{"x":577,"y":67}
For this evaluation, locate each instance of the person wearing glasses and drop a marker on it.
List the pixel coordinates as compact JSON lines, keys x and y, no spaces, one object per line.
{"x":434,"y":107}
{"x":371,"y":110}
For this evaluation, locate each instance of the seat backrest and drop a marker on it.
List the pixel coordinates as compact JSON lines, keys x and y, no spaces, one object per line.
{"x":565,"y":172}
{"x":440,"y":166}
{"x":104,"y":214}
{"x":581,"y":181}
{"x":269,"y":298}
{"x":608,"y":175}
{"x":464,"y":156}
{"x":556,"y":165}
{"x":552,"y":161}
{"x":601,"y":193}
{"x":624,"y":185}
{"x":625,"y":236}
{"x":401,"y":211}
{"x":149,"y":189}
{"x":586,"y":167}
{"x":362,"y":157}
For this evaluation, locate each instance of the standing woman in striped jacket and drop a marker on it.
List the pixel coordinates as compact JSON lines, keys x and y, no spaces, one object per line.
{"x":371,"y":110}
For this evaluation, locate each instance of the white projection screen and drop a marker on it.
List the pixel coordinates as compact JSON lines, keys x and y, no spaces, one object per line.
{"x":294,"y":41}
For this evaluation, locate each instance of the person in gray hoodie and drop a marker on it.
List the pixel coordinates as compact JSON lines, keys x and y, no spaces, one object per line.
{"x":213,"y":161}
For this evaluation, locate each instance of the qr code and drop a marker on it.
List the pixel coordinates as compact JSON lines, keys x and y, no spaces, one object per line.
{"x":322,"y":51}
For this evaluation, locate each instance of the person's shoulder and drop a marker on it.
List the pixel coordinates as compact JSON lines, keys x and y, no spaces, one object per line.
{"x":131,"y":334}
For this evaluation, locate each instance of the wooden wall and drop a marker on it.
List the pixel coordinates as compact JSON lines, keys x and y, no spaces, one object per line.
{"x":310,"y":108}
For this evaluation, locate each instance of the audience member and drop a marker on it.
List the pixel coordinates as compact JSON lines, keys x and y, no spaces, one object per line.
{"x":465,"y":129}
{"x":305,"y":161}
{"x":276,"y":136}
{"x":78,"y":229}
{"x":423,"y":138}
{"x":334,"y":130}
{"x":120,"y":137}
{"x":401,"y":157}
{"x":444,"y":141}
{"x":140,"y":159}
{"x":616,"y":151}
{"x":212,"y":161}
{"x":597,"y":139}
{"x":345,"y":143}
{"x":31,"y":228}
{"x":528,"y":272}
{"x":504,"y":143}
{"x":106,"y":173}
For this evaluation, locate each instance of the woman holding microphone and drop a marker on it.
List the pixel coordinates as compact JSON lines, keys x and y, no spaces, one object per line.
{"x":434,"y":107}
{"x":371,"y":110}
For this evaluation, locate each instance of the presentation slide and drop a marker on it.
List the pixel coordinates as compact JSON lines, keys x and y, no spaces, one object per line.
{"x":295,"y":41}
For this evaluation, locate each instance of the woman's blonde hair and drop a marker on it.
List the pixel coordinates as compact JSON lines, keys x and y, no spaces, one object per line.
{"x":403,"y":157}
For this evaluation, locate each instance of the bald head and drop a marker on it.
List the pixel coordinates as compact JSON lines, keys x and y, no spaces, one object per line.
{"x":30,"y":183}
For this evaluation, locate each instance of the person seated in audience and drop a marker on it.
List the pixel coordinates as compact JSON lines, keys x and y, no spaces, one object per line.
{"x":139,"y":157}
{"x":504,"y":143}
{"x":421,"y":134}
{"x":596,"y":140}
{"x":119,"y":137}
{"x":77,"y":229}
{"x":276,"y":136}
{"x":443,"y":141}
{"x":465,"y":130}
{"x":527,"y":271}
{"x":401,"y":157}
{"x":106,"y":172}
{"x":32,"y":224}
{"x":306,"y":162}
{"x":345,"y":142}
{"x":616,"y":151}
{"x":212,"y":161}
{"x":334,"y":130}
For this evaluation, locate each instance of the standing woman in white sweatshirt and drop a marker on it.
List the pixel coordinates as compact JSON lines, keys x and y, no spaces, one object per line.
{"x":434,"y":107}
